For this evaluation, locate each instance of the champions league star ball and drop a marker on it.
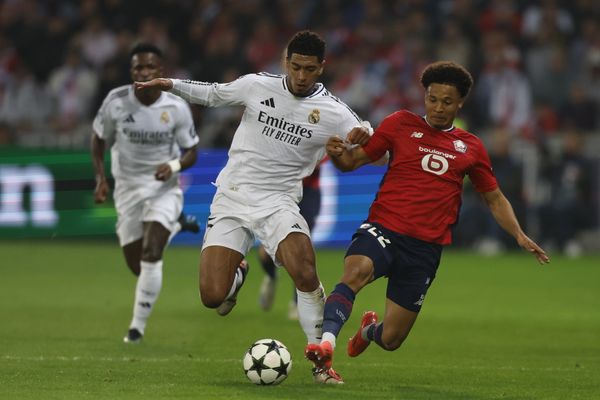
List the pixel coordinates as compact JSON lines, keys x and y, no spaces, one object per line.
{"x":267,"y":362}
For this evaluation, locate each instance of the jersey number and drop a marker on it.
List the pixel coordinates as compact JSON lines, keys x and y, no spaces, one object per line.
{"x":380,"y":238}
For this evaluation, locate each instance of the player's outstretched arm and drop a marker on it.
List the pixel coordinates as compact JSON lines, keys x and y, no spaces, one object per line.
{"x":505,"y":216}
{"x":158,"y":83}
{"x":344,"y":156}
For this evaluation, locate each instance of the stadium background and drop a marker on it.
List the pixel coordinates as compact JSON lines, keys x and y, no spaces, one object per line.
{"x":535,"y":103}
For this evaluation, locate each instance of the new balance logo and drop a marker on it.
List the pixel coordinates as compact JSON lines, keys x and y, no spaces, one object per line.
{"x":296,"y":226}
{"x":417,"y":135}
{"x":268,"y":102}
{"x":129,"y":118}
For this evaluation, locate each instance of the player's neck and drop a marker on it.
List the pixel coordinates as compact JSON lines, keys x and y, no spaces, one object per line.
{"x":435,"y":127}
{"x":149,"y":97}
{"x":308,"y":93}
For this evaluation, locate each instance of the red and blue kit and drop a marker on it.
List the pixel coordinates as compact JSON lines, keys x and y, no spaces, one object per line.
{"x":420,"y":194}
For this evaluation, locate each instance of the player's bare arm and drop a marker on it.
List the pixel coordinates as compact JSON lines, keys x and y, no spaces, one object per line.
{"x":344,"y":157}
{"x":358,"y":135}
{"x":102,"y":189}
{"x":157,"y":83}
{"x":187,"y":159}
{"x":503,"y":214}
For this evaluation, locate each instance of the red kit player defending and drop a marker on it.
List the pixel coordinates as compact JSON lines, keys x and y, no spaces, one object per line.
{"x":410,"y":219}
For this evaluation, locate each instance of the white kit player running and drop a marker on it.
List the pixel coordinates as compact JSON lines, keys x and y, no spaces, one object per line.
{"x":146,"y":131}
{"x":279,"y":141}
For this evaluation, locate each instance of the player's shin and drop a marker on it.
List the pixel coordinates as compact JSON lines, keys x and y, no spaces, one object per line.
{"x":146,"y":293}
{"x":310,"y":313}
{"x":338,"y":308}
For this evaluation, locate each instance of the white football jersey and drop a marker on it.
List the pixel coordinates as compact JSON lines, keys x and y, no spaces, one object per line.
{"x":280,"y":138}
{"x":143,"y":137}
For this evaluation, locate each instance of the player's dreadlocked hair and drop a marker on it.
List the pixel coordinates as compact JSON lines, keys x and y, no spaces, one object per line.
{"x":307,"y":43}
{"x":145,"y":48}
{"x":448,"y":73}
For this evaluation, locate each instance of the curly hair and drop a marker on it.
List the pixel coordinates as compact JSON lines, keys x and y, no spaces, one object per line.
{"x":145,"y":48}
{"x":448,"y":73}
{"x":307,"y":43}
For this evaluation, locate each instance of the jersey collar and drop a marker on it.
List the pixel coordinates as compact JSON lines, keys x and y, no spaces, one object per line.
{"x":319,"y":87}
{"x":134,"y":99}
{"x":443,"y":130}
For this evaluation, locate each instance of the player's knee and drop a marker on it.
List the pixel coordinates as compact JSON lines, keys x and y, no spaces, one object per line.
{"x":212,"y":296}
{"x":151,"y":254}
{"x":357,"y":275}
{"x":392,"y":342}
{"x":210,"y":300}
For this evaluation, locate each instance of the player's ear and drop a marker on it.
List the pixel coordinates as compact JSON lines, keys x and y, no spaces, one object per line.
{"x":322,"y":67}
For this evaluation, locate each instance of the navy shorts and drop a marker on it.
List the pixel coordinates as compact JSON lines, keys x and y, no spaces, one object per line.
{"x":409,"y":264}
{"x":310,"y":205}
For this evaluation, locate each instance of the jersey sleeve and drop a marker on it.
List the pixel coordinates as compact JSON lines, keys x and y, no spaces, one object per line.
{"x":214,"y":94}
{"x":103,"y":124}
{"x":481,"y":174}
{"x":185,"y":132}
{"x":381,"y":141}
{"x":349,"y":119}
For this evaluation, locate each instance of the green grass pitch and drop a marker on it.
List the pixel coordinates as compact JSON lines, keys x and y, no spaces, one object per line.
{"x":491,"y":328}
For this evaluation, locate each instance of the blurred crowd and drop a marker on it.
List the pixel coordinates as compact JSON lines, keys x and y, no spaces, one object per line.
{"x":536,"y":66}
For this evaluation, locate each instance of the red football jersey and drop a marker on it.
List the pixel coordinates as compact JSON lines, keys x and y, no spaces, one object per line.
{"x":421,"y":192}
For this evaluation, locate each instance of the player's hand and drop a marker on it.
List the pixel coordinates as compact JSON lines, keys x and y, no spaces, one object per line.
{"x":335,"y":146}
{"x":530,"y":246}
{"x":158,"y":83}
{"x":163,"y":172}
{"x":358,"y":135}
{"x":101,"y":191}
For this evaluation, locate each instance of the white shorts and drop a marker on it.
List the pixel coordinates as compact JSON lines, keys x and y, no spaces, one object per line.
{"x":164,"y":208}
{"x":236,"y":223}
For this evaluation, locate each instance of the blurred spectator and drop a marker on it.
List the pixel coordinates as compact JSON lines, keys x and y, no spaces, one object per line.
{"x":72,"y":87}
{"x":570,"y":207}
{"x":263,"y":49}
{"x":98,"y":43}
{"x":546,"y":66}
{"x":503,"y":90}
{"x":454,"y":45}
{"x":24,"y":103}
{"x":500,"y":15}
{"x":546,"y":15}
{"x":579,"y":112}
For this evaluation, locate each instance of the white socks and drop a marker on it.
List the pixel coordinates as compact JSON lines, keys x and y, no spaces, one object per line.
{"x":310,"y":313}
{"x":329,"y":337}
{"x":146,"y":293}
{"x":237,"y":281}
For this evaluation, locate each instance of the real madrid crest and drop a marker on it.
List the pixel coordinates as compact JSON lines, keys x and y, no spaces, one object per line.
{"x":314,"y":117}
{"x":164,"y":117}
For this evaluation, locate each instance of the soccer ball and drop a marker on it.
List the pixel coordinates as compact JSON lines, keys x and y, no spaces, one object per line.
{"x":267,"y":362}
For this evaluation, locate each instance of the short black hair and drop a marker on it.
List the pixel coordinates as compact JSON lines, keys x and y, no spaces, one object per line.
{"x":146,"y":48}
{"x":448,"y":73}
{"x":307,"y":43}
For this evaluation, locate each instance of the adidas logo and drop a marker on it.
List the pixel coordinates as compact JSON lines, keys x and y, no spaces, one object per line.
{"x":268,"y":102}
{"x":129,"y":118}
{"x":296,"y":226}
